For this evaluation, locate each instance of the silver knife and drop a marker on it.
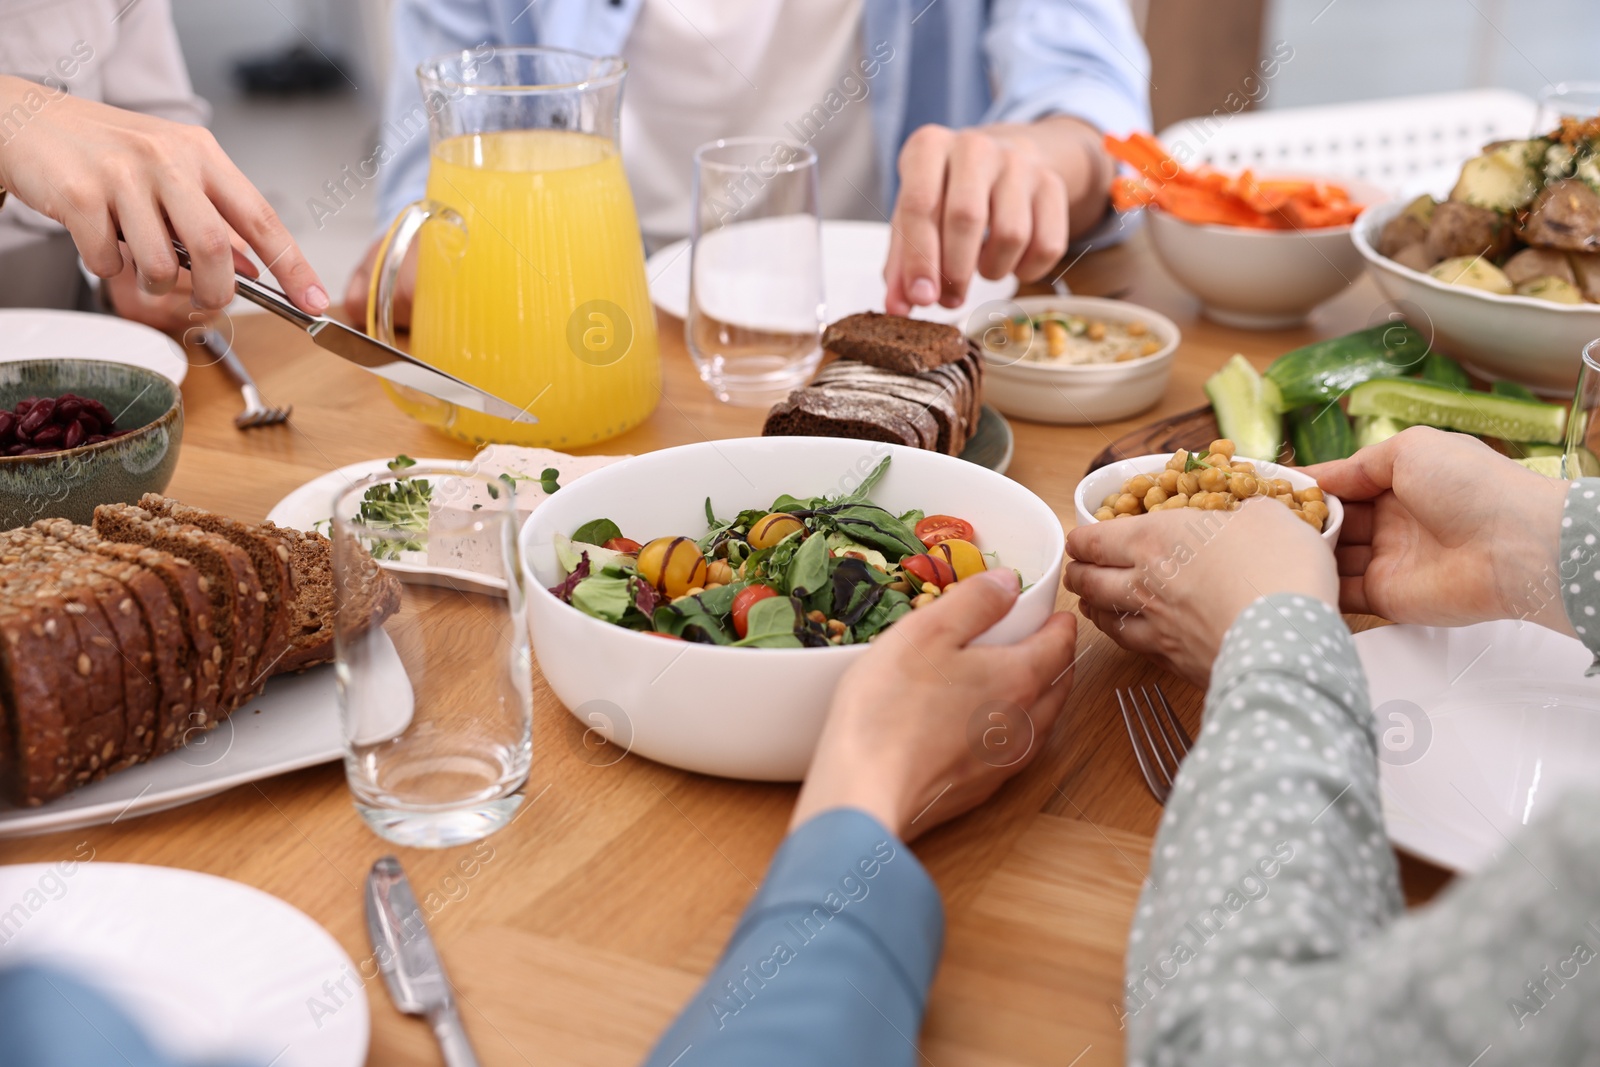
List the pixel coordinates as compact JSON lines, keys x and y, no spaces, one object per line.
{"x":410,"y":964}
{"x":373,"y":355}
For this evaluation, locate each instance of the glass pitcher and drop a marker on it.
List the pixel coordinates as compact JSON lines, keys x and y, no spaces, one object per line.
{"x":530,"y":268}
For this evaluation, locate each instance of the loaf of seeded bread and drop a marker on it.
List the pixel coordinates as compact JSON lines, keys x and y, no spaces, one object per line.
{"x":119,"y":643}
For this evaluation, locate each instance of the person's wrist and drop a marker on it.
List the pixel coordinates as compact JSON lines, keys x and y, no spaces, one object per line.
{"x":843,"y":781}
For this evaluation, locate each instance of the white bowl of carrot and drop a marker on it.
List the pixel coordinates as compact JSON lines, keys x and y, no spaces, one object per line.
{"x":1259,"y":251}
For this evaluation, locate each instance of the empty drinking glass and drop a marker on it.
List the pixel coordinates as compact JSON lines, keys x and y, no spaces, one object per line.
{"x":1579,"y":459}
{"x":436,"y":699}
{"x":1566,"y":100}
{"x":755,"y":272}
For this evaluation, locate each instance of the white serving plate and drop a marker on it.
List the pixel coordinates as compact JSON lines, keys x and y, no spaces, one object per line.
{"x":1518,"y":338}
{"x":293,"y":724}
{"x":1076,"y":394}
{"x":209,"y":970}
{"x":853,"y":254}
{"x":1098,"y":484}
{"x":1480,"y":730}
{"x":750,"y":712}
{"x":28,"y":333}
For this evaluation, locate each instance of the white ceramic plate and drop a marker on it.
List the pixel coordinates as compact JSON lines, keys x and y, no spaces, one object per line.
{"x":293,"y":724}
{"x":27,"y":333}
{"x":210,"y":970}
{"x":853,"y":254}
{"x":1480,"y":728}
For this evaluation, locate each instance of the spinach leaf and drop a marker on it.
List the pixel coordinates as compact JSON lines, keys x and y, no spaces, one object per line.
{"x":857,"y":588}
{"x":864,"y":490}
{"x":596,"y":532}
{"x":603,"y":596}
{"x":890,"y":606}
{"x":685,"y":620}
{"x":772,"y":624}
{"x":912,"y":517}
{"x":876,"y":528}
{"x":808,"y":570}
{"x":718,"y":601}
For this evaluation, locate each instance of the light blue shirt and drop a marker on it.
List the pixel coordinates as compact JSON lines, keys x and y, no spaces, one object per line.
{"x":970,"y":62}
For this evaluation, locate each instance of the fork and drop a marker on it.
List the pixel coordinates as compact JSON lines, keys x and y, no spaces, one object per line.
{"x":255,"y":413}
{"x":1159,"y":740}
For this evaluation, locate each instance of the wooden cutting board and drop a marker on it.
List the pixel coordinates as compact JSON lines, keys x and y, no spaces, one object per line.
{"x":1193,"y":430}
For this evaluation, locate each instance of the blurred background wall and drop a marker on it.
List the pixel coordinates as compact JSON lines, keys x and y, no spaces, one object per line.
{"x":1202,"y":50}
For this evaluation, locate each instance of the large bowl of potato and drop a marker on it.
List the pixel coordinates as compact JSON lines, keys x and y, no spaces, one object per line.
{"x":1216,"y":480}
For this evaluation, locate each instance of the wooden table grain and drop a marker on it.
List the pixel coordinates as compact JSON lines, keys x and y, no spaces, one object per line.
{"x":585,"y":925}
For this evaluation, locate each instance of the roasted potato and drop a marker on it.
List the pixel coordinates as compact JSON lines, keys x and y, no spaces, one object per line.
{"x":1473,"y":272}
{"x":1586,"y":266}
{"x":1503,"y":178}
{"x":1416,"y":256}
{"x":1462,"y":229}
{"x":1531,"y":263}
{"x":1566,"y":215}
{"x":1400,"y":232}
{"x":1555,"y":290}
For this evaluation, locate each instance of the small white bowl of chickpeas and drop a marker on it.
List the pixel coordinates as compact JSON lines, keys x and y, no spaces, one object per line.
{"x":1215,"y":480}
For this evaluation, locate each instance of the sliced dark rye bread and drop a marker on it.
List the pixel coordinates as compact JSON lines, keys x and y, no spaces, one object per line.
{"x":907,"y":346}
{"x":108,"y":645}
{"x":268,"y":550}
{"x":227,"y":577}
{"x":198,"y":667}
{"x":822,"y":412}
{"x":145,"y":652}
{"x":932,"y":391}
{"x":32,"y":608}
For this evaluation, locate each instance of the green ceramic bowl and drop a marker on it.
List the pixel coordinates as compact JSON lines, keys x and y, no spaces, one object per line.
{"x":70,"y":483}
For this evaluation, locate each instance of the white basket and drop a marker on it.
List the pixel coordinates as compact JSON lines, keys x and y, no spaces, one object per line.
{"x":1389,"y":143}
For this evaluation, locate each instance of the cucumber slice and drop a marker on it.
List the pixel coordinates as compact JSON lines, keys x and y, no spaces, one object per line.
{"x":1459,"y":409}
{"x":1370,"y":429}
{"x":1320,"y":433}
{"x":1325,"y":371}
{"x":1247,"y":407}
{"x":1530,"y":449}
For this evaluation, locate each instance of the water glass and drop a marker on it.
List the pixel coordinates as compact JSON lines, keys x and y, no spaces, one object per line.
{"x":1566,"y":100}
{"x":436,"y":701}
{"x":755,"y":273}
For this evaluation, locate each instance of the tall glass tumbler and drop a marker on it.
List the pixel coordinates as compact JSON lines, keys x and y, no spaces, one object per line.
{"x":1581,"y":457}
{"x":755,"y":272}
{"x":1566,"y":100}
{"x":436,"y":698}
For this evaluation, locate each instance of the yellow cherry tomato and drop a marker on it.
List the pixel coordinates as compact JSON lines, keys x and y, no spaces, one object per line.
{"x":673,"y":565}
{"x":770,"y":529}
{"x":963,"y":556}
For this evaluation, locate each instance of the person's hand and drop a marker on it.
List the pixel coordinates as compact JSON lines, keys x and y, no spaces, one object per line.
{"x":1171,"y":583}
{"x":355,"y":293}
{"x":99,"y":170}
{"x":992,"y":199}
{"x":1440,"y":529}
{"x":920,"y":726}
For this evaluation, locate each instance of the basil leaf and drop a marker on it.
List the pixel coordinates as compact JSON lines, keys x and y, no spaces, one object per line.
{"x":808,"y":570}
{"x":889,"y":607}
{"x":603,"y":597}
{"x":874,"y":527}
{"x":596,"y":532}
{"x":771,"y":623}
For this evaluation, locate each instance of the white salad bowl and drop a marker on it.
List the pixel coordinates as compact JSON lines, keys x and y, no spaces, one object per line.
{"x":1537,"y":343}
{"x":1076,"y":394}
{"x":750,"y":712}
{"x":1099,"y":484}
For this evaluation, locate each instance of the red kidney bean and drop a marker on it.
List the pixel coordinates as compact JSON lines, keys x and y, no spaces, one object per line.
{"x":46,"y":424}
{"x":98,"y":410}
{"x":51,"y":435}
{"x":74,"y":435}
{"x":67,"y":408}
{"x":94,"y":438}
{"x":89,"y":423}
{"x":8,"y":425}
{"x":37,"y":416}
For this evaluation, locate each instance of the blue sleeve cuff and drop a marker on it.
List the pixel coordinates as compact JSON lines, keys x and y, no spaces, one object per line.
{"x":844,"y":865}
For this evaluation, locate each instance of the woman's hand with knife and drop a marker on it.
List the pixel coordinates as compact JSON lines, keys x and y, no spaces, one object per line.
{"x":105,"y":173}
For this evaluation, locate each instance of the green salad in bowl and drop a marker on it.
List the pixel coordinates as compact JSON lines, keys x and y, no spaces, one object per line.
{"x":803,"y":572}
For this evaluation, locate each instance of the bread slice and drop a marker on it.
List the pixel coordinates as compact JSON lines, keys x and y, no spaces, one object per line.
{"x":195,"y":680}
{"x":931,"y":390}
{"x":818,"y":411}
{"x":227,"y":577}
{"x":269,"y":554}
{"x":907,"y":346}
{"x":42,"y":682}
{"x":311,"y":614}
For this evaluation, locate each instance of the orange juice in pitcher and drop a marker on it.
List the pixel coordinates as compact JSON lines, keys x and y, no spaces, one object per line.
{"x":530,"y":271}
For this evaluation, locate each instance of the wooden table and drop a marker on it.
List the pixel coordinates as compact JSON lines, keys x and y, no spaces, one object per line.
{"x":599,"y":909}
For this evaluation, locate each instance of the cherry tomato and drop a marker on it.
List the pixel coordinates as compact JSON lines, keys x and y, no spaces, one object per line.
{"x":935,"y":528}
{"x":658,"y":633}
{"x":963,"y":556}
{"x":623,"y":544}
{"x":770,"y":529}
{"x":741,"y":605}
{"x":929,"y":569}
{"x":673,"y":565}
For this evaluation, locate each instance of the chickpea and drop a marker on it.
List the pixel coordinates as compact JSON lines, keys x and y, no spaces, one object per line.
{"x":1222,"y":445}
{"x":1280,"y":486}
{"x":1127,"y":504}
{"x":1103,"y":514}
{"x":1154,"y":498}
{"x":1123,"y":515}
{"x":1055,"y":338}
{"x":835,"y":627}
{"x":1212,"y":480}
{"x":1149,"y":348}
{"x":1179,"y":460}
{"x":1188,"y":483}
{"x":1242,"y":485}
{"x":1197,"y":500}
{"x":930,"y":589}
{"x":921,"y":600}
{"x":1313,"y":493}
{"x":1219,"y":502}
{"x":1286,"y":499}
{"x":1317,"y":508}
{"x":1311,"y":520}
{"x":900,"y":585}
{"x":1111,"y":500}
{"x":816,"y":616}
{"x":1168,"y":481}
{"x":1096,"y":331}
{"x":1177,"y":500}
{"x":1217,"y":459}
{"x":718,"y":573}
{"x":1136,"y":329}
{"x":1139,"y":484}
{"x":1242,"y":466}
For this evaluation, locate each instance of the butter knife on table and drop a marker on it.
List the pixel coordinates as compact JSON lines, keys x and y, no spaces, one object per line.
{"x":372,"y":355}
{"x":410,"y":963}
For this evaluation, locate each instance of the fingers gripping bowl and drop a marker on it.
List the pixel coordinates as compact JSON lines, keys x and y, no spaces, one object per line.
{"x":737,"y":711}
